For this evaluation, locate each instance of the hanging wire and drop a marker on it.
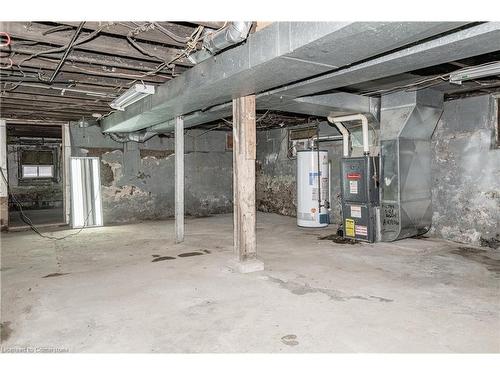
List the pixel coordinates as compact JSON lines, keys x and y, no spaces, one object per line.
{"x":28,"y":221}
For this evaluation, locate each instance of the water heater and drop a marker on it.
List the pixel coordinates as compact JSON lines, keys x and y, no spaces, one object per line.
{"x":313,"y":188}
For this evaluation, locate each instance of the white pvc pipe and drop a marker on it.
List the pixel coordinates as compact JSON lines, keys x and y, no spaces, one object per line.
{"x":329,"y":185}
{"x":364,"y":124}
{"x":345,"y":135}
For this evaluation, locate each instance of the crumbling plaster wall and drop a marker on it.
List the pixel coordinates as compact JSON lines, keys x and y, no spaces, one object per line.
{"x":466,"y":173}
{"x":137,"y":180}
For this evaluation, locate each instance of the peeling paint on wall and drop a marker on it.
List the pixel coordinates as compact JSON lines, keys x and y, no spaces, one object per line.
{"x":137,"y":181}
{"x":466,"y":174}
{"x":276,"y":194}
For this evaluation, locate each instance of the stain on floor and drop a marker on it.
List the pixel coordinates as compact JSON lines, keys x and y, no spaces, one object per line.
{"x":159,"y":258}
{"x":191,"y":254}
{"x":302,"y":289}
{"x":55,"y":274}
{"x":338,"y":239}
{"x":290,"y":340}
{"x":479,"y":256}
{"x":5,"y":331}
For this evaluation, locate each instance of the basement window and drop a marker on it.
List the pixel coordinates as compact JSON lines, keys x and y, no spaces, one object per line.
{"x":37,"y":164}
{"x":38,"y":171}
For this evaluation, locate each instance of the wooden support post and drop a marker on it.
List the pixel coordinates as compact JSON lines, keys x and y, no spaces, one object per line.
{"x":244,"y":154}
{"x":4,"y":191}
{"x":179,"y":179}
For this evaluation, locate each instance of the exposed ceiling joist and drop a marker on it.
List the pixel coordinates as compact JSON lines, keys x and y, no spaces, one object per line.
{"x":146,"y":33}
{"x":52,"y":99}
{"x":92,"y":58}
{"x":48,"y":66}
{"x":101,"y":44}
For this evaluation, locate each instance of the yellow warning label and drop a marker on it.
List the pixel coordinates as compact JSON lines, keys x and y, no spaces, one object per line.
{"x":349,"y":227}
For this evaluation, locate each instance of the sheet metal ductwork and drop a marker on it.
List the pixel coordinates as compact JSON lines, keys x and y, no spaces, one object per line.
{"x":407,"y":121}
{"x":233,"y":33}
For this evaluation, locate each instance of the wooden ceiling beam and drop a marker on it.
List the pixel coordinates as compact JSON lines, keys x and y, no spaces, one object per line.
{"x":86,"y":69}
{"x":69,"y":114}
{"x":49,"y":105}
{"x":101,"y":43}
{"x":40,"y":89}
{"x":149,"y":35}
{"x":93,"y":58}
{"x":53,"y":99}
{"x":66,"y":78}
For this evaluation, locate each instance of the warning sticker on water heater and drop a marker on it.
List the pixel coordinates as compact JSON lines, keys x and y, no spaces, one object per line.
{"x":361,"y":230}
{"x":356,"y":211}
{"x":349,"y":227}
{"x":353,"y":187}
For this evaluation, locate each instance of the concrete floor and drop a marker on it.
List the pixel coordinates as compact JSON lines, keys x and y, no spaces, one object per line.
{"x":106,"y":294}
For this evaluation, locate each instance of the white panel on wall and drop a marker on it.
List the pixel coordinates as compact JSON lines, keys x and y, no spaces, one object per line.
{"x":86,"y":207}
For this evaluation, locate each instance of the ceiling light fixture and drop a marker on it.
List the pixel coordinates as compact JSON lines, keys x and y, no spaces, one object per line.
{"x":475,"y":72}
{"x":132,"y":95}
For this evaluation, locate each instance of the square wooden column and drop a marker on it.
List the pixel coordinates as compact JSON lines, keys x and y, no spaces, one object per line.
{"x":244,"y":155}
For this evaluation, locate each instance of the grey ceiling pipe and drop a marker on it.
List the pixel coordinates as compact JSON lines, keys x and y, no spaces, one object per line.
{"x":233,"y":33}
{"x":139,"y":137}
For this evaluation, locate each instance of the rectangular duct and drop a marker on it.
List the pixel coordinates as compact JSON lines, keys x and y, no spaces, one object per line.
{"x":407,"y":121}
{"x":282,"y":53}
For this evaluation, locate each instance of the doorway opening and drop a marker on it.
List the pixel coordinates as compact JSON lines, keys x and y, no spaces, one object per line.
{"x":35,"y":175}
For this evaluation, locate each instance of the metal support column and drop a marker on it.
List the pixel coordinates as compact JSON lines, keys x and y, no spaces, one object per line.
{"x":179,"y":179}
{"x":66,"y":157}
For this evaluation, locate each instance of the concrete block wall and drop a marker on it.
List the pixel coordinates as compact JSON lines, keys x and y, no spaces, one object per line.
{"x":137,"y":180}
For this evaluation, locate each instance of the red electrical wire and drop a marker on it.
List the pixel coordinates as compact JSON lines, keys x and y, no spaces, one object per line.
{"x":3,"y":33}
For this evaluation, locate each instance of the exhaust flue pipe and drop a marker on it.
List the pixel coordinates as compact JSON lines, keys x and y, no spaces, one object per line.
{"x":233,"y":33}
{"x":213,"y":42}
{"x":345,"y":133}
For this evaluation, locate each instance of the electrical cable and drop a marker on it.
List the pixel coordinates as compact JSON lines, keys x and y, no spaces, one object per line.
{"x":416,"y":85}
{"x":66,"y":52}
{"x":170,"y":34}
{"x":28,"y":221}
{"x":7,"y":36}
